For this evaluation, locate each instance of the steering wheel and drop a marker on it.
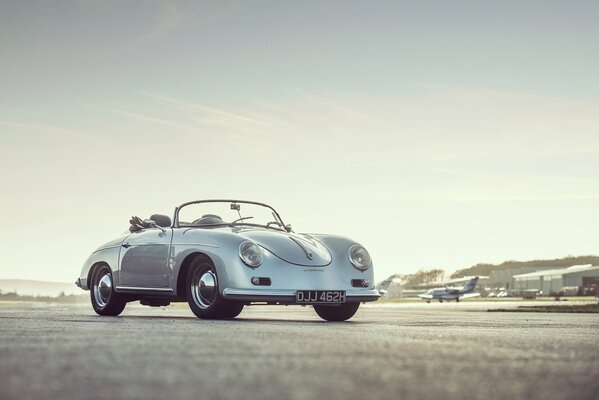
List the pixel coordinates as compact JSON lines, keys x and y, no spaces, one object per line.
{"x":241,"y":219}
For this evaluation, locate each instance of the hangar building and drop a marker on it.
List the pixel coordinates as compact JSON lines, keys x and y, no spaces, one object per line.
{"x":583,"y":277}
{"x":503,"y":279}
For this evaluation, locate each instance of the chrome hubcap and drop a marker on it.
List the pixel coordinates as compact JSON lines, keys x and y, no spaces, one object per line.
{"x":203,"y":288}
{"x":102,"y":290}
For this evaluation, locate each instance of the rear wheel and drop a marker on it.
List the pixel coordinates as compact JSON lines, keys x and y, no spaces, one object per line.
{"x":203,"y":294}
{"x":105,"y":300}
{"x":341,"y":312}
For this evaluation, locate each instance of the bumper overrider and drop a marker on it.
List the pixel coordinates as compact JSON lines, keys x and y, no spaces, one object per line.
{"x":287,"y":296}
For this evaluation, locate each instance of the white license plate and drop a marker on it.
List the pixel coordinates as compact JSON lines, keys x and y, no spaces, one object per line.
{"x":320,"y":296}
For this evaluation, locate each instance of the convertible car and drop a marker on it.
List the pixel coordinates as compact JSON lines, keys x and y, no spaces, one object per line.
{"x":219,"y":255}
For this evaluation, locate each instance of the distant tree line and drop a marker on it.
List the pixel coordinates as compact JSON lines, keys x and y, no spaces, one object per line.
{"x":61,"y":298}
{"x":485,"y":269}
{"x":422,"y":277}
{"x":428,"y":276}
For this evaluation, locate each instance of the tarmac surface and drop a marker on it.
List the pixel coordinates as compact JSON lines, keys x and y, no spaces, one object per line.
{"x":405,"y":351}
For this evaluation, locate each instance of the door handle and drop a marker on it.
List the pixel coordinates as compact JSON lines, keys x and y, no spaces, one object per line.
{"x":126,"y":245}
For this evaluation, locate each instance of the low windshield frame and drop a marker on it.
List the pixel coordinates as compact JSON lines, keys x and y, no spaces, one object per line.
{"x":178,"y":209}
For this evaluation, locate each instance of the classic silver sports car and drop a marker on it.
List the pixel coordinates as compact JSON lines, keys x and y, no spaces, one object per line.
{"x":219,"y":255}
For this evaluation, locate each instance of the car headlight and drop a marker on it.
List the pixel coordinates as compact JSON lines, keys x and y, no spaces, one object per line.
{"x":251,"y":254}
{"x":359,"y":257}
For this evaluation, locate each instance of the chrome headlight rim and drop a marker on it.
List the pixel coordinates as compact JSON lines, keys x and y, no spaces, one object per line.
{"x":356,"y":264}
{"x":249,"y":246}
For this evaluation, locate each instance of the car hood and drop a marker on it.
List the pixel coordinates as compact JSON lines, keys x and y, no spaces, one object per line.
{"x":292,"y":247}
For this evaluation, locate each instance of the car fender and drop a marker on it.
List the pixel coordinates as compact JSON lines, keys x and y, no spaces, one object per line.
{"x":108,"y":254}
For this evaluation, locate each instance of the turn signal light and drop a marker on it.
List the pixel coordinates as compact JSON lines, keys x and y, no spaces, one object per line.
{"x":360,"y":282}
{"x":259,"y":281}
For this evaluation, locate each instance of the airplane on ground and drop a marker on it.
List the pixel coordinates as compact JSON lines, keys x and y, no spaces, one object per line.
{"x":451,"y":293}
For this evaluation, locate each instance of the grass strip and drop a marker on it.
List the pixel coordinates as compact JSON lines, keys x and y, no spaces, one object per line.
{"x":580,"y":308}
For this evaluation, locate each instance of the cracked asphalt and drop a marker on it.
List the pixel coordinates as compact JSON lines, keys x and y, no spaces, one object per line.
{"x":412,"y":351}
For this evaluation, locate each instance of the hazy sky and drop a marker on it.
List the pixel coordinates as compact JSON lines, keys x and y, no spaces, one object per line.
{"x":437,"y":134}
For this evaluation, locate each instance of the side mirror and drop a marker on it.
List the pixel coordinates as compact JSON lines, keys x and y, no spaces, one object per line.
{"x":288,"y":228}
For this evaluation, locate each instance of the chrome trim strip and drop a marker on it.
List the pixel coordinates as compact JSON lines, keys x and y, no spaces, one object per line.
{"x":145,"y":289}
{"x":195,"y":244}
{"x":107,"y":247}
{"x":308,"y":252}
{"x":289,"y":295}
{"x":258,"y":292}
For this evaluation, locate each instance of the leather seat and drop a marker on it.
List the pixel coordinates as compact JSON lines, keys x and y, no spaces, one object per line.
{"x":161,"y":220}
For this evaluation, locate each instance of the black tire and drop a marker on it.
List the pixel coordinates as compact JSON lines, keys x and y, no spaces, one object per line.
{"x":105,"y":301}
{"x":203,"y":295}
{"x":341,"y":312}
{"x":231,"y":310}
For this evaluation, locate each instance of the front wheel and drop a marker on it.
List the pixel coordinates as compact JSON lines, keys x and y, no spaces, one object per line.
{"x":105,"y":300}
{"x":203,"y":294}
{"x":341,"y":312}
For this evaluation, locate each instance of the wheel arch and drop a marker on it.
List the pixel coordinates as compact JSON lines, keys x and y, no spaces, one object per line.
{"x":183,"y":270}
{"x":93,"y":269}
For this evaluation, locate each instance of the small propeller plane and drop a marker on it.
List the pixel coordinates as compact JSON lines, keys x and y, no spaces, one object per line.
{"x":451,"y":293}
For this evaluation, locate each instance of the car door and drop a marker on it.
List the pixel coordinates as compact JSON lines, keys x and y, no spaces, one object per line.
{"x":144,"y":258}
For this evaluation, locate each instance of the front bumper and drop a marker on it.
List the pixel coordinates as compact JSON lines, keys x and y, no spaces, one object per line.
{"x":288,"y":296}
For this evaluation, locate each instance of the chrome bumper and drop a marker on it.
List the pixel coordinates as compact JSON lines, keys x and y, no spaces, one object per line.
{"x":288,"y":296}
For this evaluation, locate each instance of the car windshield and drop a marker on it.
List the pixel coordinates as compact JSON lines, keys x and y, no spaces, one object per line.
{"x":213,"y":213}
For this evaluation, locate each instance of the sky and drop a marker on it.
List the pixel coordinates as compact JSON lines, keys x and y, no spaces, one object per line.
{"x":438,"y":134}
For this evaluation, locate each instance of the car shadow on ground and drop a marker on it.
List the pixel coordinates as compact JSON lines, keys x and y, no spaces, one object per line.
{"x":124,"y":318}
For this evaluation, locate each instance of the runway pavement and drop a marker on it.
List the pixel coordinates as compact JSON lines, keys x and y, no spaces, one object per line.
{"x":406,"y":351}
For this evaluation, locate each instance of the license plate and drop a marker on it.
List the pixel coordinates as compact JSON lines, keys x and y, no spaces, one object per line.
{"x":320,"y":296}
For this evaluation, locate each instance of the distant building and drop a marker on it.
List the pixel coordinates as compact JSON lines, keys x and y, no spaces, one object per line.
{"x":578,"y":279}
{"x":503,"y":279}
{"x":583,"y":277}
